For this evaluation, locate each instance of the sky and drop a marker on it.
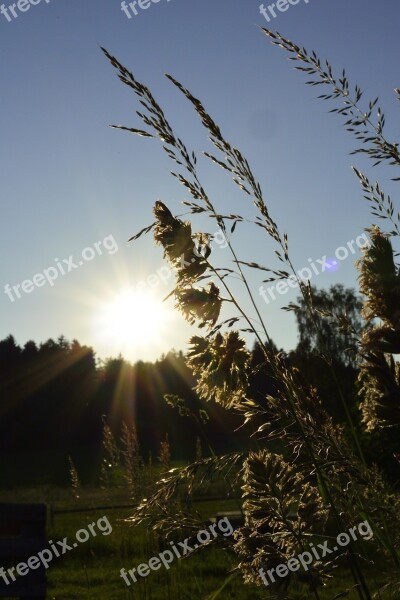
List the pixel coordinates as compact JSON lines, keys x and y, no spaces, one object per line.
{"x":73,"y":190}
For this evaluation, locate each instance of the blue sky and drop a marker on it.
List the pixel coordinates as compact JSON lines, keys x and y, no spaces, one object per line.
{"x":68,"y":180}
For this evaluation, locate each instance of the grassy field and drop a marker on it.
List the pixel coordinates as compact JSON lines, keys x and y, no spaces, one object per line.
{"x":92,"y":570}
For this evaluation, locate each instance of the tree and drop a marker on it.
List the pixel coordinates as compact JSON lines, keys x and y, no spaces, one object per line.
{"x":329,"y":335}
{"x":334,"y":327}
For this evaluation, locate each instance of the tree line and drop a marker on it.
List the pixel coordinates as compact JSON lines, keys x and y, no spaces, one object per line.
{"x":55,"y":397}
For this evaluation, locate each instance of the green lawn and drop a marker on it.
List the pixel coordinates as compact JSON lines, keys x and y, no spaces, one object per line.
{"x":92,"y":570}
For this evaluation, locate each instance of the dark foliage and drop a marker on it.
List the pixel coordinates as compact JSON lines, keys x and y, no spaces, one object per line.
{"x":54,"y":396}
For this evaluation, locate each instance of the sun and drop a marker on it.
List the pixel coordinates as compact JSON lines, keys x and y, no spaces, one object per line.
{"x":133,"y":322}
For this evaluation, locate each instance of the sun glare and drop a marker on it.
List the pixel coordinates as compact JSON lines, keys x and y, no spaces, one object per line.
{"x":132,"y":321}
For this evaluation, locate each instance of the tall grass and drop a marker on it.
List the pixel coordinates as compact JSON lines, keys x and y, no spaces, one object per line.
{"x":319,"y":481}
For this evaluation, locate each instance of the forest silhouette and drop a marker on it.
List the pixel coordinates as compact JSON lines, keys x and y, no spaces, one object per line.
{"x":56,"y":396}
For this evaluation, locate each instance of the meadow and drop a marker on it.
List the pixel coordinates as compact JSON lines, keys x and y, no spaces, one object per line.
{"x":92,"y":570}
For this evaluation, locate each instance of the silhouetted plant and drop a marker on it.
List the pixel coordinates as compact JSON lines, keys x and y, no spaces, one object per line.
{"x":111,"y":455}
{"x":131,"y":459}
{"x":75,"y":483}
{"x":321,"y":477}
{"x":199,"y":449}
{"x":165,"y":453}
